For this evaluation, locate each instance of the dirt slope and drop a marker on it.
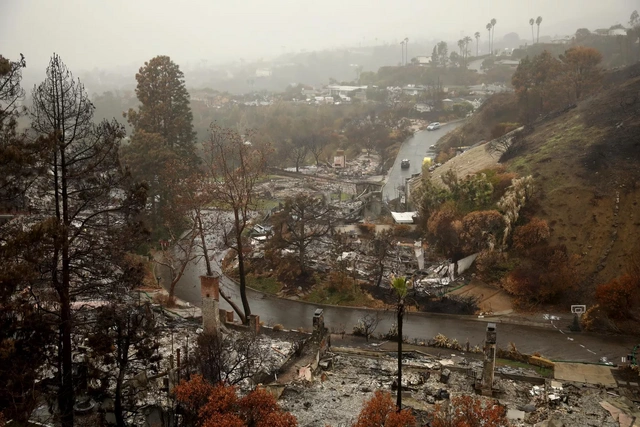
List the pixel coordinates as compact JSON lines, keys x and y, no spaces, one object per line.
{"x":586,"y":164}
{"x":467,"y":163}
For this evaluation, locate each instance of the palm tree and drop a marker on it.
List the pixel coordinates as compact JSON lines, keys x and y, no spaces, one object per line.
{"x":400,"y":285}
{"x":531,"y":22}
{"x":467,"y":40}
{"x":488,"y":27}
{"x":493,"y":33}
{"x":538,"y":21}
{"x":477,"y":36}
{"x":461,"y":48}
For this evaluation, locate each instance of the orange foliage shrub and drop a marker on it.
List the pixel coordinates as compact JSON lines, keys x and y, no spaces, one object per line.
{"x":444,"y":226}
{"x":194,"y":394}
{"x":582,"y":69}
{"x":481,"y":230}
{"x":618,"y":297}
{"x":380,"y":411}
{"x":499,"y":178}
{"x":491,"y":266}
{"x":547,"y":273}
{"x":529,"y":235}
{"x":470,"y":411}
{"x":219,"y":406}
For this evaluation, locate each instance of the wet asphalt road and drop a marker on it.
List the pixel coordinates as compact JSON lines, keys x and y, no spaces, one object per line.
{"x":295,"y":314}
{"x":548,"y":341}
{"x":415,"y":149}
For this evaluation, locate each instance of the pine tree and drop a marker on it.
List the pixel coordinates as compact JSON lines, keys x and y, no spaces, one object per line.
{"x":164,"y":108}
{"x":87,"y":206}
{"x":163,"y":137}
{"x":23,"y":330}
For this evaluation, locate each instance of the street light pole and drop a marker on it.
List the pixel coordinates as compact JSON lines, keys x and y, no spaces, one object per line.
{"x":406,"y":50}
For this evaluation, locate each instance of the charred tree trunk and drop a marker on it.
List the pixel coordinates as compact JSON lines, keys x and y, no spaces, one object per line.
{"x":380,"y":274}
{"x":118,"y":407}
{"x":243,"y":280}
{"x":400,"y":318}
{"x":66,"y":396}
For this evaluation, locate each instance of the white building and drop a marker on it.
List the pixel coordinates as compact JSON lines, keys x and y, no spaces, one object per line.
{"x":263,"y":72}
{"x":350,"y":91}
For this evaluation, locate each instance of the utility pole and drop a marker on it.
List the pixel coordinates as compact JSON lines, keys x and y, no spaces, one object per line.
{"x":406,"y":51}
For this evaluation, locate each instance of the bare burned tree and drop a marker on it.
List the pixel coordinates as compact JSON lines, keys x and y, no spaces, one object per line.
{"x":298,"y":150}
{"x":367,"y":325}
{"x":382,"y":250}
{"x":124,"y":341}
{"x":25,"y":333}
{"x":234,"y":168}
{"x":507,"y":145}
{"x":317,"y":142}
{"x":177,"y":254}
{"x":205,"y":222}
{"x":230,"y":359}
{"x":88,"y":206}
{"x":304,"y":220}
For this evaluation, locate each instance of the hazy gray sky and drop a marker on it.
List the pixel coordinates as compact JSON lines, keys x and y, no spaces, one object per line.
{"x":110,"y":33}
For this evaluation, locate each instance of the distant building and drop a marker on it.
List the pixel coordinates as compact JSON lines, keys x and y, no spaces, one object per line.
{"x":511,"y":63}
{"x":423,"y":60}
{"x":447,"y":103}
{"x":562,"y":40}
{"x":349,"y":91}
{"x":263,"y":72}
{"x":618,"y":32}
{"x":413,"y":90}
{"x":423,"y":108}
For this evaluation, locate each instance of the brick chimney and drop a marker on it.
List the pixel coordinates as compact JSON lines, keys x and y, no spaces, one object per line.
{"x":210,"y":290}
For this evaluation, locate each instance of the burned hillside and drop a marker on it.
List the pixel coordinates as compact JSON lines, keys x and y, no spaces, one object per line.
{"x":586,"y":161}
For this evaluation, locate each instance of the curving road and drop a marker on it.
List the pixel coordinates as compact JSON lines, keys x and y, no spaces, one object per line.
{"x":295,"y":314}
{"x":550,"y":342}
{"x":415,"y":149}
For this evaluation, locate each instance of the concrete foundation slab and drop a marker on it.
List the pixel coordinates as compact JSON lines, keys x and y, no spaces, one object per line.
{"x":583,"y":373}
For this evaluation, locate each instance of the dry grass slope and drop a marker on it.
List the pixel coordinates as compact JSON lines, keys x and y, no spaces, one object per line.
{"x":586,"y":164}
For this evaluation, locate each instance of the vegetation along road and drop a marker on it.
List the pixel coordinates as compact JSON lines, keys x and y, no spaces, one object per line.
{"x":421,"y":326}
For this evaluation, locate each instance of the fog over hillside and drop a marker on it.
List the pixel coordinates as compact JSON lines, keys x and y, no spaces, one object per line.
{"x":115,"y":37}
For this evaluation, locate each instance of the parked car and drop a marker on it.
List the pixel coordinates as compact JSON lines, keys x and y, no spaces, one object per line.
{"x":404,"y":164}
{"x":433,"y":126}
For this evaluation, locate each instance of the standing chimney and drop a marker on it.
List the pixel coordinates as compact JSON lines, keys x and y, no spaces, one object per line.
{"x":210,"y":289}
{"x":489,"y":360}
